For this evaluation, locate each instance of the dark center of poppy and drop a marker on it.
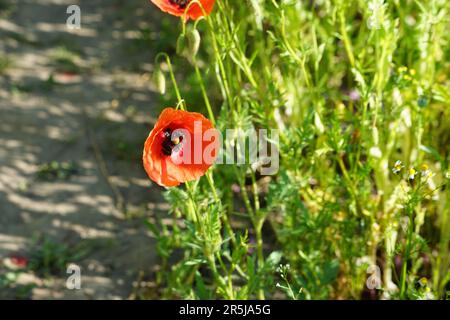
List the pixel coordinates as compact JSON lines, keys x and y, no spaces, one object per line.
{"x":170,"y":142}
{"x":181,"y":3}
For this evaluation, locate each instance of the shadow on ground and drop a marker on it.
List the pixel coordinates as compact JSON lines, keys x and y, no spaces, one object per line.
{"x":80,"y":98}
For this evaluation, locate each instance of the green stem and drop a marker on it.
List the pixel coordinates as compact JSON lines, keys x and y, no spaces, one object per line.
{"x":224,"y":214}
{"x":220,"y":62}
{"x":207,"y":252}
{"x":259,"y":251}
{"x":204,"y":94}
{"x":350,"y":186}
{"x":406,"y":254}
{"x":257,"y":221}
{"x":172,"y":77}
{"x":346,"y":39}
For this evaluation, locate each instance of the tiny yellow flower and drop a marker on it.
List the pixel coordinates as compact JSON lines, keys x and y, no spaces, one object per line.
{"x":340,"y":216}
{"x":407,"y":77}
{"x":425,"y":171}
{"x":412,"y":173}
{"x":412,"y":72}
{"x":340,"y":109}
{"x":423,"y":281}
{"x":402,"y":69}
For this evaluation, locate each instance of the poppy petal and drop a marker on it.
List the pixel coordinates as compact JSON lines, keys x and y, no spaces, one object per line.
{"x":194,"y":11}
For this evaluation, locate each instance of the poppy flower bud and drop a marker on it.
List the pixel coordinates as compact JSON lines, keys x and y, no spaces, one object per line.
{"x":193,"y":42}
{"x":159,"y":80}
{"x":182,"y":45}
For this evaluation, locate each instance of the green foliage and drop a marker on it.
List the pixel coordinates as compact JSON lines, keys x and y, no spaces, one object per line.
{"x":5,"y":64}
{"x":66,"y":59}
{"x":359,"y":92}
{"x":57,"y":170}
{"x":49,"y":257}
{"x":6,"y":8}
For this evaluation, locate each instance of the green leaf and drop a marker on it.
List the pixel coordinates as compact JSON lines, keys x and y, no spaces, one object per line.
{"x":201,"y":291}
{"x":330,"y":272}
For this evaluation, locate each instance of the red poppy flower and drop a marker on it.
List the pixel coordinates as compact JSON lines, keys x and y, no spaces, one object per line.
{"x":180,"y":148}
{"x":178,"y":7}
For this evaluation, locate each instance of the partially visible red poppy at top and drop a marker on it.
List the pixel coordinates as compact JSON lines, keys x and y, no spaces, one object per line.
{"x":181,"y":7}
{"x":180,"y":148}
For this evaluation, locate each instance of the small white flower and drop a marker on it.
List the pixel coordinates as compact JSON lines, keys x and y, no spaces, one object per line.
{"x":397,"y":97}
{"x":426,"y":172}
{"x":398,"y":166}
{"x":405,"y":115}
{"x":377,"y":18}
{"x":375,"y":152}
{"x":365,"y":260}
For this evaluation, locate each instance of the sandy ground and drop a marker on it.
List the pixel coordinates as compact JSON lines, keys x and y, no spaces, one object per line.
{"x":97,"y":118}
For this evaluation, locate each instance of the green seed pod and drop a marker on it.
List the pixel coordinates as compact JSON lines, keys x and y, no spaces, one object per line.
{"x":193,"y":42}
{"x":159,"y":80}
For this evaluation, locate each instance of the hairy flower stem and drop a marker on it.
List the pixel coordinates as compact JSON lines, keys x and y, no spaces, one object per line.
{"x":224,"y":214}
{"x":345,"y":39}
{"x":406,"y":256}
{"x":172,"y":77}
{"x":259,"y":248}
{"x":223,"y":75}
{"x":350,"y":186}
{"x":207,"y":251}
{"x":209,"y":174}
{"x":203,"y":90}
{"x":257,"y":221}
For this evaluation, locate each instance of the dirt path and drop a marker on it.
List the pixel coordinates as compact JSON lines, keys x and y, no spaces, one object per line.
{"x":80,"y":99}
